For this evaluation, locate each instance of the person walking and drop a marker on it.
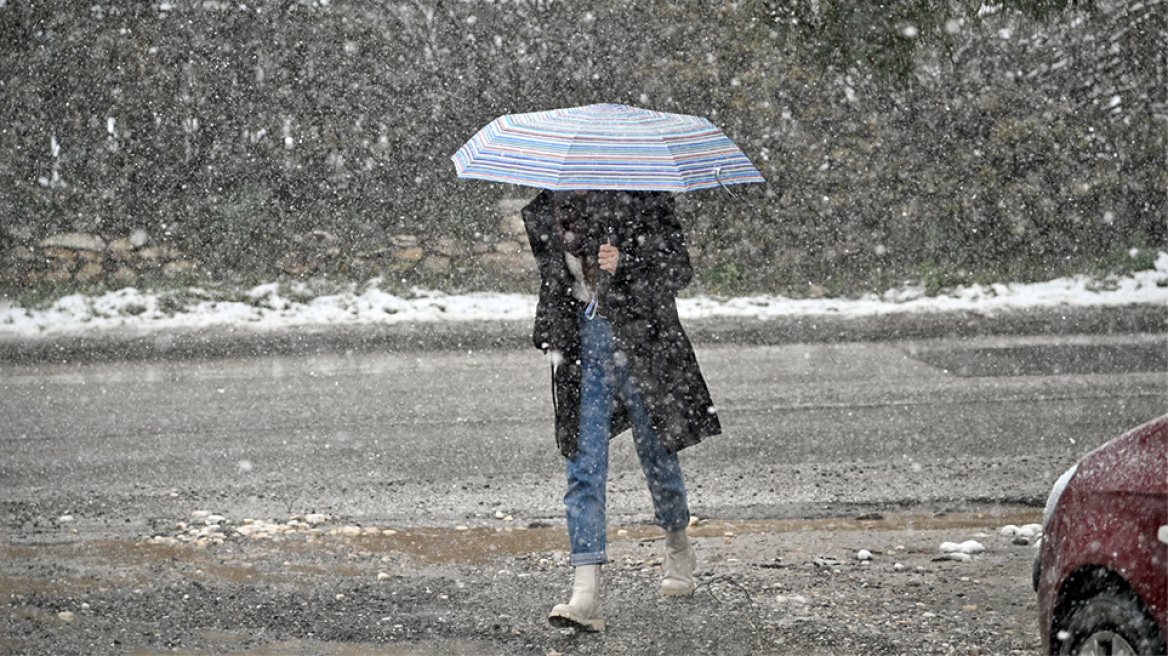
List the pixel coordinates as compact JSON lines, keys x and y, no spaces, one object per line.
{"x":611,"y":264}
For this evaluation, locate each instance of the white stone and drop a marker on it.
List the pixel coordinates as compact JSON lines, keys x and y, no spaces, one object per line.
{"x":139,"y":238}
{"x":215,"y":520}
{"x":956,"y":555}
{"x":1008,"y":531}
{"x":512,"y":225}
{"x":404,"y":241}
{"x":381,"y":576}
{"x":972,"y":547}
{"x":179,"y":267}
{"x":898,"y":567}
{"x":66,"y":616}
{"x":316,"y":518}
{"x":1030,"y":531}
{"x":200,"y":514}
{"x":967,"y":547}
{"x":76,"y":240}
{"x":64,"y":519}
{"x":863,"y":554}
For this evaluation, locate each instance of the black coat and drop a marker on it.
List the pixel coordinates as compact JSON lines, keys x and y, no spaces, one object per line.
{"x":639,"y":302}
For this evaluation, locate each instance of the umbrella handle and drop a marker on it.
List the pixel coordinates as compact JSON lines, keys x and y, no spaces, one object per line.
{"x":718,"y":177}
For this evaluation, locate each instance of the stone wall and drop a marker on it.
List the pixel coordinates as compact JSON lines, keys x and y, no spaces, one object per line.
{"x":80,"y":257}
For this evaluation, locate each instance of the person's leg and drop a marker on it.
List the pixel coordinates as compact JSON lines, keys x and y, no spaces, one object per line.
{"x":667,"y":487}
{"x":662,"y":469}
{"x":584,"y":499}
{"x":587,"y":477}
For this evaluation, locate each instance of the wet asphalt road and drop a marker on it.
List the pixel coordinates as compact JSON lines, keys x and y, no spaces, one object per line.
{"x":440,"y":445}
{"x":449,"y":437}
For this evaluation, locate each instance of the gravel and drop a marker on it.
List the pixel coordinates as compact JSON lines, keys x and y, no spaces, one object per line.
{"x":328,"y":587}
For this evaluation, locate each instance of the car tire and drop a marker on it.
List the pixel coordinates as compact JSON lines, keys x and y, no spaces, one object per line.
{"x":1112,"y":623}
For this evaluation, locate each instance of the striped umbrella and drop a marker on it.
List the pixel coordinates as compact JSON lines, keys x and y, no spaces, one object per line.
{"x":604,"y":147}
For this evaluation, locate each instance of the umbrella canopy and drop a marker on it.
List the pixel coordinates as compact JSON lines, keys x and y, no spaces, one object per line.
{"x":604,"y":147}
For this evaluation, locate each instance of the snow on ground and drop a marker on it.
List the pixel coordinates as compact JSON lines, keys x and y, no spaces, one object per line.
{"x":273,"y":306}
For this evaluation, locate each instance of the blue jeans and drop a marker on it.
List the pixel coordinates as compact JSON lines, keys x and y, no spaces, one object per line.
{"x":606,"y":380}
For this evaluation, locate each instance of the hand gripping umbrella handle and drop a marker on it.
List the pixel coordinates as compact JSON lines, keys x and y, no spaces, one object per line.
{"x":603,"y":280}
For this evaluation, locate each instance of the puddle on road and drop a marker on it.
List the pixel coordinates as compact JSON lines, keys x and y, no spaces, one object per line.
{"x":113,"y":563}
{"x":441,"y":546}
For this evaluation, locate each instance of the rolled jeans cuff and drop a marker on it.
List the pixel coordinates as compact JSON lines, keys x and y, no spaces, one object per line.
{"x":593,"y":558}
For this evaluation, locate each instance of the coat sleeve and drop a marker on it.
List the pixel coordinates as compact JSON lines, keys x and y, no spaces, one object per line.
{"x":551,"y":331}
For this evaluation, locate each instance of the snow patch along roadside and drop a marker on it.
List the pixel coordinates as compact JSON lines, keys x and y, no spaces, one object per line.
{"x":272,"y":307}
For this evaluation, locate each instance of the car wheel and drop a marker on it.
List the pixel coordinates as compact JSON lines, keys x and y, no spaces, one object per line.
{"x":1111,"y":624}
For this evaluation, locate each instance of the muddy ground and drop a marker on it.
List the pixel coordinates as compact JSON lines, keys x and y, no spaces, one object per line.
{"x":765,"y":587}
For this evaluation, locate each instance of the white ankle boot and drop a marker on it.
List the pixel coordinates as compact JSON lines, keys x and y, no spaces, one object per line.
{"x":679,"y":565}
{"x":583,"y":611}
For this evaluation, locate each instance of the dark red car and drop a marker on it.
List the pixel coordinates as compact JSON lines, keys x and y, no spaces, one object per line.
{"x":1102,"y":571}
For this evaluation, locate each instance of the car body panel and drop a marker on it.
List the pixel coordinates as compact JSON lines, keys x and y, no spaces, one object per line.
{"x":1109,"y":519}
